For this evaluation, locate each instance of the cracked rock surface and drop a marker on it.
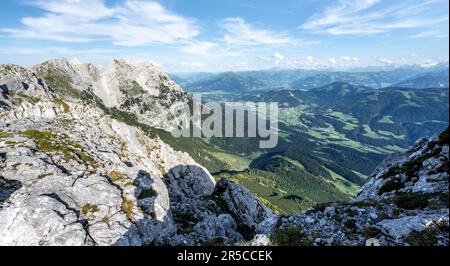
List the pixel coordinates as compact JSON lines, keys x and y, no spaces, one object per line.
{"x":72,"y":175}
{"x":404,"y":202}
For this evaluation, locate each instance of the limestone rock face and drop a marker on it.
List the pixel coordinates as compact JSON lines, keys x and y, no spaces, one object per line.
{"x":21,"y":87}
{"x":19,"y":80}
{"x":138,"y":88}
{"x":249,"y":211}
{"x":260,"y":241}
{"x":422,"y":169}
{"x":62,"y":72}
{"x":88,"y":182}
{"x":72,"y":175}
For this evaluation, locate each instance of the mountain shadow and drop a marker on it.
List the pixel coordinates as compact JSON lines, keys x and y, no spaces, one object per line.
{"x":7,"y":188}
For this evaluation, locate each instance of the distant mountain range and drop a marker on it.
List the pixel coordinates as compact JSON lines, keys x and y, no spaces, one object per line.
{"x":410,"y":77}
{"x":229,"y":82}
{"x":433,"y":79}
{"x":331,"y":137}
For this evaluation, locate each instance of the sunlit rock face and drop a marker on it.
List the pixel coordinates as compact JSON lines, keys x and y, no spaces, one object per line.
{"x":72,"y":175}
{"x":138,"y":88}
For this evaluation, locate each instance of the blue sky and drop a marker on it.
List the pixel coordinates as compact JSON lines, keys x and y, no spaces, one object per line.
{"x":219,"y":35}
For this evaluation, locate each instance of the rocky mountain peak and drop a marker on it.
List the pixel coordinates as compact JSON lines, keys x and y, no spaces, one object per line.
{"x":20,"y":80}
{"x":62,"y":73}
{"x":135,"y":87}
{"x":20,"y":89}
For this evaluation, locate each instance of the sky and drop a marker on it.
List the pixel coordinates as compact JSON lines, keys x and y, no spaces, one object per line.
{"x":232,"y":35}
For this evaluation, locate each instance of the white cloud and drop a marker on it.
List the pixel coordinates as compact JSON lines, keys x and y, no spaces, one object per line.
{"x":278,"y":56}
{"x":278,"y":60}
{"x":429,"y":64}
{"x":194,"y":65}
{"x":52,"y":51}
{"x":239,"y":32}
{"x":83,"y":10}
{"x":238,"y":64}
{"x":366,"y":17}
{"x":206,"y":49}
{"x":439,"y":33}
{"x":130,"y":23}
{"x":348,"y":60}
{"x":239,"y":38}
{"x":384,"y":61}
{"x":265,"y":59}
{"x":203,"y":48}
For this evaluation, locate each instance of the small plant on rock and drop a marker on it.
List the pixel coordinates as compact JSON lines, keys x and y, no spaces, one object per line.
{"x":291,"y":236}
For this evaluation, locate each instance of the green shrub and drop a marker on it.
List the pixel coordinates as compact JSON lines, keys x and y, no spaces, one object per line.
{"x":426,"y":237}
{"x":366,"y":203}
{"x":291,"y":236}
{"x":63,"y":104}
{"x":116,"y":176}
{"x":186,"y":222}
{"x":393,"y":171}
{"x":337,"y":218}
{"x":215,"y":242}
{"x":127,"y":207}
{"x":42,"y":176}
{"x":4,"y":134}
{"x":389,"y":186}
{"x":85,"y":158}
{"x":148,"y":193}
{"x":371,"y":232}
{"x":89,"y":208}
{"x":411,"y":168}
{"x":444,"y":168}
{"x":444,"y":137}
{"x":51,"y":143}
{"x":411,"y":201}
{"x":350,"y":224}
{"x":321,"y":206}
{"x":432,"y":144}
{"x":444,"y":198}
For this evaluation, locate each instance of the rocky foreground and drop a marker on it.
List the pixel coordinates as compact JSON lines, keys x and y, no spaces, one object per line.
{"x":405,"y":202}
{"x":71,"y":173}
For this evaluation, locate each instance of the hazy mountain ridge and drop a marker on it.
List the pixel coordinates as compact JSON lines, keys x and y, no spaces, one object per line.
{"x":428,"y":80}
{"x":228,"y":82}
{"x":411,"y":77}
{"x":387,"y":109}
